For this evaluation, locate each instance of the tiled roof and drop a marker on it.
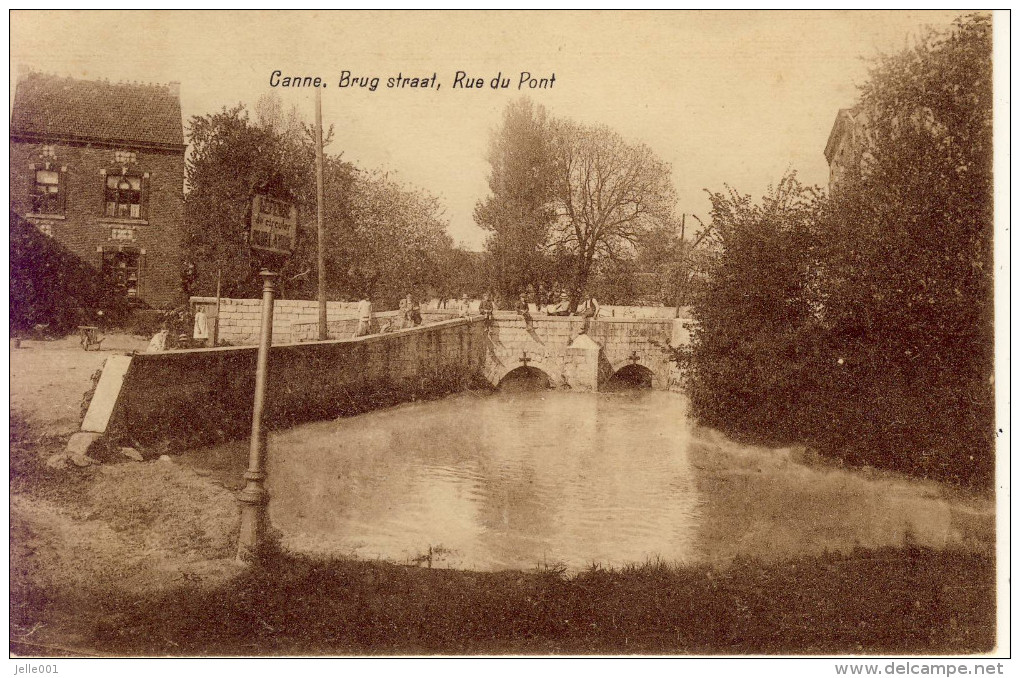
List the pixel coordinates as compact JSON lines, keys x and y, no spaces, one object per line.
{"x":48,"y":105}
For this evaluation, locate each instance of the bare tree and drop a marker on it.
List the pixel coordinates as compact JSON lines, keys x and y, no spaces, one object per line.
{"x":609,"y":193}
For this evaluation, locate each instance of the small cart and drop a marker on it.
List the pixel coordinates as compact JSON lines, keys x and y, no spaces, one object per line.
{"x":90,"y":337}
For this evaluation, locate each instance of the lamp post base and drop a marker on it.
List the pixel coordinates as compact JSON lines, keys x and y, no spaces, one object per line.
{"x":254,"y":500}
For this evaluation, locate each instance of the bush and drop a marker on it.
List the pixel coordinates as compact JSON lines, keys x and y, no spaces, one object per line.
{"x":54,"y":288}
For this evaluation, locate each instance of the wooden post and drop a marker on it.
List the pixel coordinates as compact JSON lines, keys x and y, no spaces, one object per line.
{"x":216,"y":320}
{"x":318,"y":214}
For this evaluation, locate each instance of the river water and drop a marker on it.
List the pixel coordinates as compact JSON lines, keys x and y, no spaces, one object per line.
{"x":560,"y":479}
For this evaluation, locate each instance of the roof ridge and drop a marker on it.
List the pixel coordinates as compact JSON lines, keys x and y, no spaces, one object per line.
{"x":61,"y":106}
{"x":27,"y":73}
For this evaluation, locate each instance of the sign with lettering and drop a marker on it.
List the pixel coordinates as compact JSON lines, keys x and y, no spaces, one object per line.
{"x":273,"y":225}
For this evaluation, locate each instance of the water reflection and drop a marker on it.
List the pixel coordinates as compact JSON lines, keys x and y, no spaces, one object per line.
{"x":517,"y":480}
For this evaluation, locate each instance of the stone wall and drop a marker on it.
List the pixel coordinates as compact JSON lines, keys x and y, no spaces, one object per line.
{"x":294,"y":320}
{"x":240,"y":319}
{"x":344,"y":328}
{"x":641,"y":312}
{"x":201,"y":395}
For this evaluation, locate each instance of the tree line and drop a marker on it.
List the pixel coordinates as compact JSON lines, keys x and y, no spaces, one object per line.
{"x":384,"y":239}
{"x":861,"y":321}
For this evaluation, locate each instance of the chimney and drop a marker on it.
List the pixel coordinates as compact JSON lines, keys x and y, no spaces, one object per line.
{"x":175,"y":88}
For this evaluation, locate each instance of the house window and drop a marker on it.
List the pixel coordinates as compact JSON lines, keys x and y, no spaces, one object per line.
{"x":120,"y":269}
{"x":47,"y":198}
{"x":48,"y":152}
{"x":124,"y":196}
{"x":125,"y":157}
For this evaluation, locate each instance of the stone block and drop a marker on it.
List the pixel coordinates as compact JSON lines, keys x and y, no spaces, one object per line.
{"x":82,"y":445}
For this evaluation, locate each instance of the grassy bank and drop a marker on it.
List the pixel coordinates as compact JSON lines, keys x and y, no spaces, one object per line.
{"x":872,"y":602}
{"x":136,"y":559}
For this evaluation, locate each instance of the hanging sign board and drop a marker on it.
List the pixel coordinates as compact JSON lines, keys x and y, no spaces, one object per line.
{"x":273,"y":225}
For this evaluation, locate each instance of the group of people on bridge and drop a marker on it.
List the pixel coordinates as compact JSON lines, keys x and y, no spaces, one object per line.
{"x":530,"y":303}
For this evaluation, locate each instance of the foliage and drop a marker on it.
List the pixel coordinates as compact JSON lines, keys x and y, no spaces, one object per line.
{"x":755,"y":310}
{"x":383,"y":239}
{"x":862,"y":323}
{"x":231,"y":161}
{"x":676,"y":264}
{"x":568,"y":204}
{"x":53,"y":287}
{"x":395,"y":240}
{"x":908,"y":275}
{"x":883,"y":601}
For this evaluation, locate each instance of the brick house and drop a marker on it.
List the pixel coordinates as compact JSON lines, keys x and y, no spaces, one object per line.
{"x":99,"y":167}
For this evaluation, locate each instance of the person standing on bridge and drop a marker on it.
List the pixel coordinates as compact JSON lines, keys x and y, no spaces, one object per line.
{"x":405,"y":311}
{"x":364,"y":317}
{"x":486,"y":308}
{"x":465,"y":306}
{"x":413,"y":310}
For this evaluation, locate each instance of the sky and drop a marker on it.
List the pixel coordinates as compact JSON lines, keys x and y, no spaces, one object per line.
{"x":729,"y":97}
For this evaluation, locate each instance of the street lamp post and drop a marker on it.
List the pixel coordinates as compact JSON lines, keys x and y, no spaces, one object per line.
{"x":254,"y":498}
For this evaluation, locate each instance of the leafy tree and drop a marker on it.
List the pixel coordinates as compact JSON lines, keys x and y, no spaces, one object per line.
{"x":677,"y":261}
{"x":383,"y":239}
{"x":756,"y":310}
{"x":609,"y":193}
{"x":231,"y":161}
{"x":519,"y":212}
{"x":396,"y":241}
{"x":907,"y":282}
{"x":862,"y":323}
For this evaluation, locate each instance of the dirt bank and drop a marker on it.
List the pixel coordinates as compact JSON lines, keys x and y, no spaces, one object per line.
{"x":48,"y":379}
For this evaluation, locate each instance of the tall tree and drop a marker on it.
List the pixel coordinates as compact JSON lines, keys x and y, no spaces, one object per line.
{"x":519,"y":210}
{"x":383,"y":239}
{"x":609,"y":193}
{"x":907,"y":280}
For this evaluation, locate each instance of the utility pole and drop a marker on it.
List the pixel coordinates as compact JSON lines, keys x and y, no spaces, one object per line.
{"x":318,"y":214}
{"x":216,"y":320}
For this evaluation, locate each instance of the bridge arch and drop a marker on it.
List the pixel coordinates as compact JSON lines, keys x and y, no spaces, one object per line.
{"x":632,"y":375}
{"x":642,"y":369}
{"x":527,"y":373}
{"x":496,"y":377}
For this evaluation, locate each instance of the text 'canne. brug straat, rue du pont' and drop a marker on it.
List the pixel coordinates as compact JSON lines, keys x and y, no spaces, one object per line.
{"x":521,"y":80}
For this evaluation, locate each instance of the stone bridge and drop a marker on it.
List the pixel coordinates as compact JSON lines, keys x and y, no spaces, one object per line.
{"x":611,"y":347}
{"x":206,"y":394}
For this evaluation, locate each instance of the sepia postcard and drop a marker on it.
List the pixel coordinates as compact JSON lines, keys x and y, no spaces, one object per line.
{"x":509,"y":334}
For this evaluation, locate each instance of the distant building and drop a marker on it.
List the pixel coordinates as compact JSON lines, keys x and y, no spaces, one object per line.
{"x":847,"y":143}
{"x":99,"y":167}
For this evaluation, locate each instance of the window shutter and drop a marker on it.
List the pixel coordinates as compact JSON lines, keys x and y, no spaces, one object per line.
{"x":102,"y":192}
{"x":62,"y":190}
{"x":142,"y":277}
{"x":144,"y":209}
